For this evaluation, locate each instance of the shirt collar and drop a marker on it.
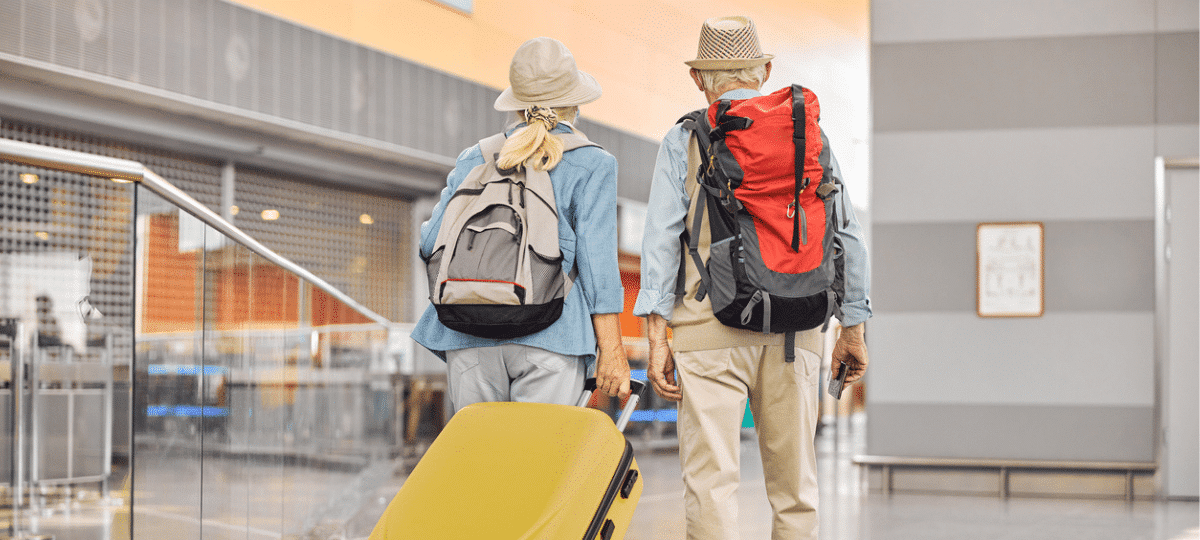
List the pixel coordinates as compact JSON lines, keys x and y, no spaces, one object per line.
{"x":740,"y":93}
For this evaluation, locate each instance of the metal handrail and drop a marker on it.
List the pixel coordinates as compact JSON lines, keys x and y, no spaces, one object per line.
{"x":122,"y":169}
{"x":984,"y":463}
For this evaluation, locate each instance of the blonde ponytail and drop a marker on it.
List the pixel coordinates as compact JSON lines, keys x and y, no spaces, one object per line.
{"x":534,"y":145}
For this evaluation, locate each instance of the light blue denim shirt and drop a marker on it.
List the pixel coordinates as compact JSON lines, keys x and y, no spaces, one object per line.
{"x":667,"y":209}
{"x":585,"y":192}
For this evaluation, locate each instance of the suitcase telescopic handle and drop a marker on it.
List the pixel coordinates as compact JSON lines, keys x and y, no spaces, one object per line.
{"x":635,"y":394}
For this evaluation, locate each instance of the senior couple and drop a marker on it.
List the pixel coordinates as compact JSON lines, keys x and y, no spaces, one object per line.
{"x":710,"y":369}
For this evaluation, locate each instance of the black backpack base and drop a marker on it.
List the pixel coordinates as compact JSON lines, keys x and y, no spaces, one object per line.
{"x":499,"y":321}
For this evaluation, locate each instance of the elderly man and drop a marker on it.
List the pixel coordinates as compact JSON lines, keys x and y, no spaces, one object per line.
{"x":715,"y":368}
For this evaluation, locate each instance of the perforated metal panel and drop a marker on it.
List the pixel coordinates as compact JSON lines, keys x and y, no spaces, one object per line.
{"x":66,"y":238}
{"x":357,"y":242}
{"x":226,"y":54}
{"x":320,"y":227}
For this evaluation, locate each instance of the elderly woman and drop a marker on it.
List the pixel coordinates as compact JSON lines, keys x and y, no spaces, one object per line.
{"x":549,"y":365}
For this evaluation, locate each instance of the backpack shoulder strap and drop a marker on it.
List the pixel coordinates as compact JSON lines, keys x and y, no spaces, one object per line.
{"x":690,"y":237}
{"x":575,"y":139}
{"x":490,"y":147}
{"x":694,"y":116}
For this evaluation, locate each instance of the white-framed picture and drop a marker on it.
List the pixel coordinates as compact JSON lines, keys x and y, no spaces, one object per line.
{"x":1009,"y":270}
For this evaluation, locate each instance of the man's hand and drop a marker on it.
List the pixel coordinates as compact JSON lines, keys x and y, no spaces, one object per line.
{"x":661,"y":368}
{"x":612,"y":367}
{"x":851,"y":348}
{"x":661,"y":372}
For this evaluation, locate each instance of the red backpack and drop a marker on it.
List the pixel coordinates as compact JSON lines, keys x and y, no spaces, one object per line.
{"x":775,"y":262}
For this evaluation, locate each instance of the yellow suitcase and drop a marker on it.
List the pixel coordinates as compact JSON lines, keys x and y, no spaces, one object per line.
{"x":521,"y":471}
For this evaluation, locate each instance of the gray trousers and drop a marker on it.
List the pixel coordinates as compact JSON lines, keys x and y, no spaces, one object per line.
{"x":513,"y":373}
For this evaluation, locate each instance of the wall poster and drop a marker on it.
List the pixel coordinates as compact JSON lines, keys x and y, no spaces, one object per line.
{"x":1009,"y":270}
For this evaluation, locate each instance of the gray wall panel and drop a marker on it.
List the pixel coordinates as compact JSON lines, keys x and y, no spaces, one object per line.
{"x":1100,"y":266}
{"x":1083,"y":433}
{"x":1078,"y":358}
{"x":1178,"y":15}
{"x":1177,"y":141}
{"x":1022,"y":110}
{"x":1178,"y":78}
{"x":940,"y":20}
{"x":1098,"y":174}
{"x":1089,"y":266}
{"x":1046,"y":82}
{"x":241,"y":64}
{"x":923,"y":267}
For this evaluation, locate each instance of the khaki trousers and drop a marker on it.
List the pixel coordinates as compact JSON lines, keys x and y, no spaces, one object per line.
{"x":783,"y":399}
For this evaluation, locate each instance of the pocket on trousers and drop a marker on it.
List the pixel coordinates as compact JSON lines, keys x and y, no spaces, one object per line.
{"x":705,"y":363}
{"x":462,"y":360}
{"x":807,"y":366}
{"x":548,"y":361}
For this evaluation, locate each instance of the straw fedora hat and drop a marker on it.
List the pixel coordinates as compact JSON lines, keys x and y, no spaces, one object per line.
{"x":543,"y":73}
{"x":729,"y":43}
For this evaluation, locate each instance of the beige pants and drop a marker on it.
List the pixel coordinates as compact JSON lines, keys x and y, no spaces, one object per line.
{"x":783,"y":399}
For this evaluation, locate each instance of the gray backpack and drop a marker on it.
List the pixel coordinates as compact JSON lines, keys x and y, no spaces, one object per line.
{"x":496,"y":268}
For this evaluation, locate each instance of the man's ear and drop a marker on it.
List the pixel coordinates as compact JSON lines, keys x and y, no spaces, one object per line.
{"x":767,"y":75}
{"x":696,"y":78}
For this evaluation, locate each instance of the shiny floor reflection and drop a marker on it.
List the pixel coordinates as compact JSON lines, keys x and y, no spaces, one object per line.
{"x":848,"y":511}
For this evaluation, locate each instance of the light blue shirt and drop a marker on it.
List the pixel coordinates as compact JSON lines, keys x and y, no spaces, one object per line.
{"x":585,"y":192}
{"x":667,"y":210}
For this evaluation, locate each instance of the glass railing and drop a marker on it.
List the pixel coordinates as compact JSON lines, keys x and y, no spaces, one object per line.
{"x":172,"y":376}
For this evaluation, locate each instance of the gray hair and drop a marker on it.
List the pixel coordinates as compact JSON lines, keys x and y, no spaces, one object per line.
{"x":718,"y":80}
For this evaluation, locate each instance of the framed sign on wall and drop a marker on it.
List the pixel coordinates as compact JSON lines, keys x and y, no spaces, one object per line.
{"x":1010,"y":270}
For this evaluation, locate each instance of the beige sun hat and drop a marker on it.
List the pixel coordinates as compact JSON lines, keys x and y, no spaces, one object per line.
{"x":729,"y":43}
{"x":543,"y":73}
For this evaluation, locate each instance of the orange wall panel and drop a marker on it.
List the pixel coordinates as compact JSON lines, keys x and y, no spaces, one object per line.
{"x":631,"y":326}
{"x":170,"y":302}
{"x":328,"y":310}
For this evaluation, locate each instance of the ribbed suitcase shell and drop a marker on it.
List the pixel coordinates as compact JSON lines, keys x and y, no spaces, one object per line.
{"x":515,"y":471}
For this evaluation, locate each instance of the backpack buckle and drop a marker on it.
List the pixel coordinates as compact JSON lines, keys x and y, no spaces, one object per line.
{"x":791,"y":210}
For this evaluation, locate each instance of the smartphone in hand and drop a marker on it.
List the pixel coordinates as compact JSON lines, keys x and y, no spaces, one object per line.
{"x":837,"y":382}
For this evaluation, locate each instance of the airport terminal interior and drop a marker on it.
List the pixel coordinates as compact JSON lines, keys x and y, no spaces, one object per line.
{"x":209,"y":275}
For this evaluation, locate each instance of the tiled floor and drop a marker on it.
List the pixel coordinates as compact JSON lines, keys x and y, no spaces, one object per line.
{"x":848,"y":511}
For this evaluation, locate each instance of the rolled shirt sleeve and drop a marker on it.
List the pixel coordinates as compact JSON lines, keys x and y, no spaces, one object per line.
{"x":595,"y":213}
{"x":665,"y":214}
{"x":856,"y":305}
